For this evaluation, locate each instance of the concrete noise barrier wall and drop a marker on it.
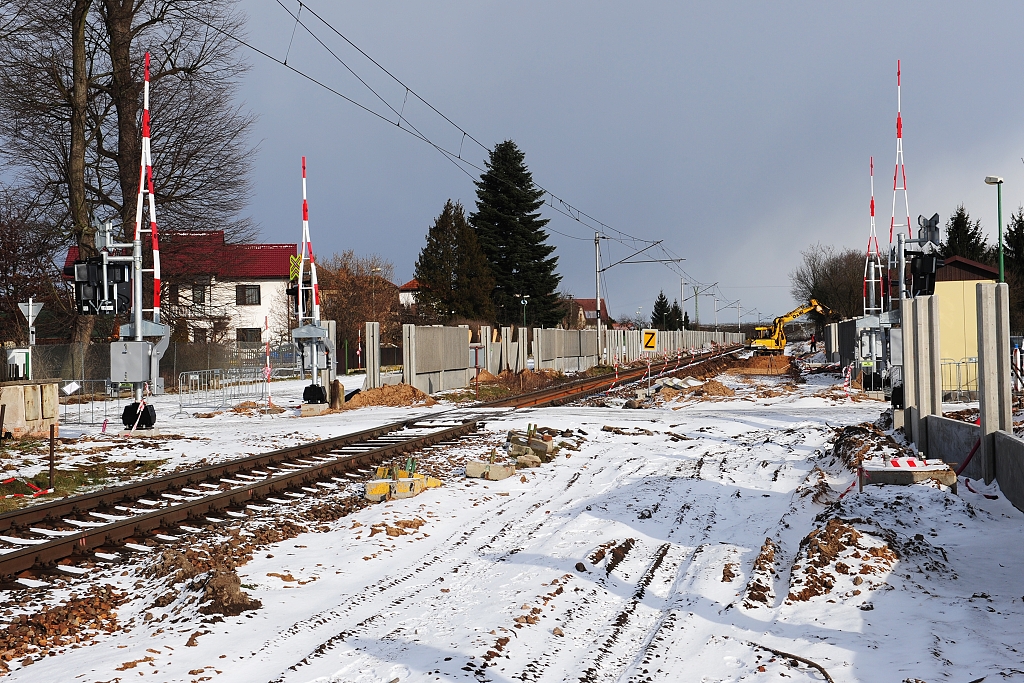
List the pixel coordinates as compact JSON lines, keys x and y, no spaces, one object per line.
{"x":436,"y":358}
{"x":565,"y":350}
{"x":922,"y":365}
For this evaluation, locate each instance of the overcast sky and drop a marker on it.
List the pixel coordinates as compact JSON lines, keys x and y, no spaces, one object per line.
{"x":737,"y":133}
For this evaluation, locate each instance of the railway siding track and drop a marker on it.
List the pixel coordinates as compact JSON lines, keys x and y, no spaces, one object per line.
{"x":130,"y":512}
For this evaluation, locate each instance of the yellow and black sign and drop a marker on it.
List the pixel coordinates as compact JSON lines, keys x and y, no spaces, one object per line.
{"x":649,"y":340}
{"x":293,"y":266}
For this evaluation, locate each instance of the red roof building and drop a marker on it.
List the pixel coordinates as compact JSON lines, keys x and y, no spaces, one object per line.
{"x":587,"y":312}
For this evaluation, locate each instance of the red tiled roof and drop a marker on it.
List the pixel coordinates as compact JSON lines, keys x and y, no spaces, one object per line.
{"x":184,"y":254}
{"x":410,"y":286}
{"x":589,"y":307}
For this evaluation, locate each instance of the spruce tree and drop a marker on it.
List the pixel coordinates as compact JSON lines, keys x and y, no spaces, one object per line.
{"x":675,"y":317}
{"x":1013,"y":243}
{"x":686,"y":320}
{"x":511,"y":234}
{"x":964,"y":238}
{"x":660,"y":312}
{"x":436,"y":267}
{"x":452,"y":271}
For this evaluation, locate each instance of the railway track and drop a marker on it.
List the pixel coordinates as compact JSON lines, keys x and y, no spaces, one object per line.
{"x":103,"y":524}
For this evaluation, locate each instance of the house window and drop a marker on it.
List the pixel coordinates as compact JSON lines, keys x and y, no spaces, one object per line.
{"x":172,"y":295}
{"x":199,"y":335}
{"x":248,"y":334}
{"x":198,"y":295}
{"x":247,"y":295}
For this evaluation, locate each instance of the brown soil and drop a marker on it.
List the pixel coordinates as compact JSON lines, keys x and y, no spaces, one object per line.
{"x":713,"y":387}
{"x":728,"y":572}
{"x":759,"y":588}
{"x":762,"y":365}
{"x":822,"y":547}
{"x":394,"y":395}
{"x":854,"y":444}
{"x":618,"y":554}
{"x":77,"y":620}
{"x":528,"y":380}
{"x":223,"y":593}
{"x":486,"y":376}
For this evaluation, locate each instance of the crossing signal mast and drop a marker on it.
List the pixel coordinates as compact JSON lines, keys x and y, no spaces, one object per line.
{"x":900,"y":173}
{"x":311,"y":335}
{"x":873,"y":290}
{"x":111,"y":283}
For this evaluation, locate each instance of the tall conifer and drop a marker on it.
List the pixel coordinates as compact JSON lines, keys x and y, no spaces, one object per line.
{"x":660,"y":312}
{"x":511,"y":233}
{"x":452,"y":271}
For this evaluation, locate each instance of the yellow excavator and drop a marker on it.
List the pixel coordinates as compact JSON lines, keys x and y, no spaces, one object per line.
{"x":772,"y":340}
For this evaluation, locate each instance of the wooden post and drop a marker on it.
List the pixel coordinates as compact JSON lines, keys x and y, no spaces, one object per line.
{"x":52,"y":430}
{"x":3,"y":412}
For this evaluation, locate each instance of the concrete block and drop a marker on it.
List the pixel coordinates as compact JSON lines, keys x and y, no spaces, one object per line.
{"x":528,"y":461}
{"x":489,"y":471}
{"x":31,"y":398}
{"x":312,"y":409}
{"x":904,"y":477}
{"x":377,"y":490}
{"x":988,"y":378}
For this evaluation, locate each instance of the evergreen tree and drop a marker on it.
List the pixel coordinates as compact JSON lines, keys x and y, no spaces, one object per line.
{"x":686,"y":320}
{"x":675,"y":317}
{"x":660,"y":312}
{"x":1013,"y":243}
{"x":511,"y":233}
{"x":452,"y":271}
{"x":964,"y":238}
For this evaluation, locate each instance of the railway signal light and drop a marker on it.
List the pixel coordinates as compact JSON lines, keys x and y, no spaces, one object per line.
{"x":922,"y":272}
{"x":102,"y":288}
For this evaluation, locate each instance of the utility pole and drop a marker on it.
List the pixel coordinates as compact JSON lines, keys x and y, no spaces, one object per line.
{"x":597,"y":301}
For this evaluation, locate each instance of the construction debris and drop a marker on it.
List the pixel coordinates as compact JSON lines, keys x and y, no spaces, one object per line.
{"x":393,"y":395}
{"x":393,"y":482}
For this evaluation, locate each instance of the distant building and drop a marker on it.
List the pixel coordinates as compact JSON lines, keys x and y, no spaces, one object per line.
{"x":213,"y":291}
{"x":407,"y":294}
{"x":585,"y":311}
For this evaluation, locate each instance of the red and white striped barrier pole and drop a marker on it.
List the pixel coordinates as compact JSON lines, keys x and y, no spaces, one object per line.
{"x":146,"y":186}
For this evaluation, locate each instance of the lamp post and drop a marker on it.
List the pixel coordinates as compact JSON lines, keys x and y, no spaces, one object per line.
{"x":998,"y":182}
{"x":523,"y":299}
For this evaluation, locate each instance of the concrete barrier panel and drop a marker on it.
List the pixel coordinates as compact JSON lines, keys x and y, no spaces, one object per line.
{"x":952,"y":441}
{"x":1010,"y":467}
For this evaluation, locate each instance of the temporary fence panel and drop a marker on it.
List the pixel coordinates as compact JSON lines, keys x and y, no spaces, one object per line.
{"x":220,"y":388}
{"x":436,"y":358}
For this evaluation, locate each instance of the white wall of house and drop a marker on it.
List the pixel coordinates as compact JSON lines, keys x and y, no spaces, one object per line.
{"x":272,"y":307}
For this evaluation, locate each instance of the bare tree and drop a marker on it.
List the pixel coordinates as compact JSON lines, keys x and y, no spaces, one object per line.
{"x":834,"y":277}
{"x":29,"y":246}
{"x":355,"y":290}
{"x":70,"y":102}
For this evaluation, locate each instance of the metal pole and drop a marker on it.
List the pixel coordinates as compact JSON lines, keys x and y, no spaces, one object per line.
{"x":597,"y":301}
{"x":52,"y":429}
{"x":999,"y":195}
{"x":901,"y":260}
{"x":696,"y":306}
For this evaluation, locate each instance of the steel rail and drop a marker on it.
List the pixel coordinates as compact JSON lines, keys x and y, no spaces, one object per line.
{"x":79,"y":542}
{"x":110,"y":534}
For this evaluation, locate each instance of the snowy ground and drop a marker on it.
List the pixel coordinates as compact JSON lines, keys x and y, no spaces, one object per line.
{"x":488,"y":587}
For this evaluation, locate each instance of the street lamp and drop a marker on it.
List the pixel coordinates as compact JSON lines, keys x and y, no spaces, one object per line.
{"x":523,"y":300}
{"x":998,"y":182}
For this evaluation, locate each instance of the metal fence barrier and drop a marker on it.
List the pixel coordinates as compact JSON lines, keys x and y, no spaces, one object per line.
{"x":220,"y":388}
{"x":959,"y":380}
{"x":95,"y":401}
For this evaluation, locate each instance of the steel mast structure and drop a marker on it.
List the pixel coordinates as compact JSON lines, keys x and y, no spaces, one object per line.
{"x":874,"y":299}
{"x":899,"y":173}
{"x":311,"y":335}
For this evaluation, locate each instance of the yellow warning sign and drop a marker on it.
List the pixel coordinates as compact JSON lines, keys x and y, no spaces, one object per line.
{"x":649,"y":340}
{"x":293,"y":266}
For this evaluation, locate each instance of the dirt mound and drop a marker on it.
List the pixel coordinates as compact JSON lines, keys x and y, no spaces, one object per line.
{"x":486,"y":376}
{"x":245,"y":407}
{"x":759,"y":589}
{"x":856,"y":442}
{"x":713,"y":387}
{"x":838,"y":548}
{"x":527,"y":380}
{"x":224,"y":594}
{"x":394,"y":395}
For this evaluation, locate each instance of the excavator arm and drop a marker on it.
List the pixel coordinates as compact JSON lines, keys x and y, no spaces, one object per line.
{"x":773,"y":339}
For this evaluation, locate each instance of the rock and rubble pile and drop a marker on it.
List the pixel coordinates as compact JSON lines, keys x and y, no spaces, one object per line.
{"x":393,"y":395}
